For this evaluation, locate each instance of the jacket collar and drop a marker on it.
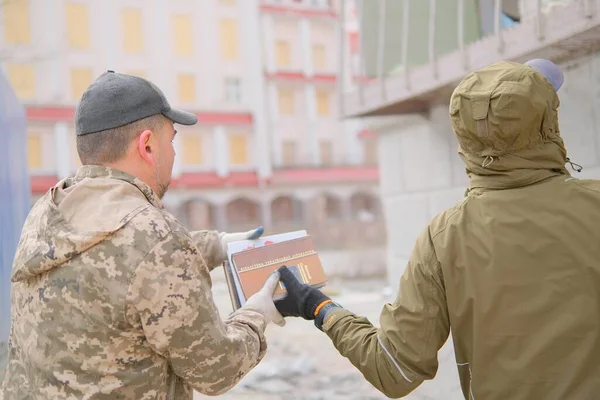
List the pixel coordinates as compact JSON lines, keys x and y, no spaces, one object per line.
{"x":99,"y":171}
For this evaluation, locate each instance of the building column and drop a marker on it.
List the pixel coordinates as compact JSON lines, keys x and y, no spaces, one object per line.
{"x":257,"y":86}
{"x":305,"y":35}
{"x":266,"y":216}
{"x":346,"y":209}
{"x":267,"y":41}
{"x":273,"y":116}
{"x":55,"y":67}
{"x":220,"y":217}
{"x":352,"y":129}
{"x":62,"y":148}
{"x":160,"y":70}
{"x":311,"y":111}
{"x":221,"y":151}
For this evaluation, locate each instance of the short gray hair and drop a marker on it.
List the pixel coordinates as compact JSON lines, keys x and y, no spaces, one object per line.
{"x":111,"y":145}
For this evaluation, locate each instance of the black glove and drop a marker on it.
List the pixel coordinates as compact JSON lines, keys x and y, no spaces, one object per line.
{"x":302,"y":300}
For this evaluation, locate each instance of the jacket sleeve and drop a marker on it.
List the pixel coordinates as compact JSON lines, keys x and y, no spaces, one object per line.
{"x":397,"y":357}
{"x":209,"y":244}
{"x":170,"y":300}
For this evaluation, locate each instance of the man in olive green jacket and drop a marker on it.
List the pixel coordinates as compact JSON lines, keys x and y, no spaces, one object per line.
{"x":514,"y":269}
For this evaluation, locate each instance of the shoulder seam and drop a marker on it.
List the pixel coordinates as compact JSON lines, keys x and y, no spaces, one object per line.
{"x":163,"y":218}
{"x":458,"y":209}
{"x":575,"y":181}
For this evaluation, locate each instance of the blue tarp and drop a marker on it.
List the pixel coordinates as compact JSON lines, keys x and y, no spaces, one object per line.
{"x":15,"y":197}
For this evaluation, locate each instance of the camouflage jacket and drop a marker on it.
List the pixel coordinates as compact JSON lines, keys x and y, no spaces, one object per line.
{"x":111,"y":299}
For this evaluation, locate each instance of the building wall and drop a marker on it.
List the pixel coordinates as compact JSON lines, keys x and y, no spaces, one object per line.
{"x":227,"y":61}
{"x":64,"y":45}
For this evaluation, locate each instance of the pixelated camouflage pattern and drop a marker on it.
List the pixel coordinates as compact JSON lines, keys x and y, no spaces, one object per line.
{"x":209,"y":244}
{"x":111,"y":299}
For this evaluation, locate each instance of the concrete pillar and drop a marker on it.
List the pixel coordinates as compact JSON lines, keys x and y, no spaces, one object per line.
{"x":404,"y":216}
{"x":346,"y":209}
{"x":266,"y":217}
{"x":311,"y":115}
{"x":257,"y":86}
{"x":272,"y":114}
{"x":62,"y":148}
{"x":221,"y":223}
{"x":221,"y":151}
{"x":355,"y":148}
{"x":161,"y":33}
{"x":54,"y":67}
{"x":268,"y":42}
{"x":305,"y":35}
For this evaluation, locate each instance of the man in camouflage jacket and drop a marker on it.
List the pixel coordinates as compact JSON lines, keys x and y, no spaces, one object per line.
{"x":111,"y":295}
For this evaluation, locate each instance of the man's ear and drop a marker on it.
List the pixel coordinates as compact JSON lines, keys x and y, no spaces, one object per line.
{"x":145,"y":146}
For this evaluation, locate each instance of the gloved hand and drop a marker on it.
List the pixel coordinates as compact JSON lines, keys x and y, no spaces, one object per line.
{"x":262,"y":301}
{"x":234,"y":237}
{"x":302,"y":300}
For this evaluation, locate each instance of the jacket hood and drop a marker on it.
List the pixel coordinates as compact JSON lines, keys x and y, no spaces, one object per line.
{"x":76,"y":214}
{"x":505,"y":117}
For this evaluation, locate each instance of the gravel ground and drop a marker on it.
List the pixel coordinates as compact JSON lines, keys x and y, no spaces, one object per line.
{"x":302,"y":364}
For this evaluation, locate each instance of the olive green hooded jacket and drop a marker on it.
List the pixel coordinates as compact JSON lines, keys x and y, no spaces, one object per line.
{"x":513,"y":270}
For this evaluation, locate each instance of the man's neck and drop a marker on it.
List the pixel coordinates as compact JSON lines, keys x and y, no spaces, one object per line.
{"x":134,"y":170}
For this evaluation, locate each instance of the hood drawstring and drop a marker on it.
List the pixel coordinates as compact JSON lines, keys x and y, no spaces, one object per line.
{"x":490,"y":159}
{"x":485,"y":162}
{"x":576,"y":167}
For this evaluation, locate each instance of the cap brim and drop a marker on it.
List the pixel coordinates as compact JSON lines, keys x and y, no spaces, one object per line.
{"x":181,"y":117}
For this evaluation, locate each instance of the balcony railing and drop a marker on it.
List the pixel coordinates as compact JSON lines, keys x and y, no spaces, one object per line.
{"x":407,"y":76}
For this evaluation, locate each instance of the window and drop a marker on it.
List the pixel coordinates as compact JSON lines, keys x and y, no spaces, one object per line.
{"x":133,"y":30}
{"x":238,"y":150}
{"x":22,"y":79}
{"x":370,"y":151}
{"x":34,"y":151}
{"x":286,"y":102}
{"x":192,"y":150}
{"x":322,"y":102}
{"x":288,"y":153}
{"x":17,"y":29}
{"x":78,"y":25}
{"x":233,"y":90}
{"x":318,"y":55}
{"x":282,"y":53}
{"x":80,"y":80}
{"x":229,"y":39}
{"x":182,"y":35}
{"x":186,"y":84}
{"x":326,"y":150}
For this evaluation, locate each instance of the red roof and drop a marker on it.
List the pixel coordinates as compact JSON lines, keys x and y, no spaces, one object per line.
{"x":59,"y":113}
{"x":301,"y":77}
{"x":298,"y":11}
{"x":40,"y":184}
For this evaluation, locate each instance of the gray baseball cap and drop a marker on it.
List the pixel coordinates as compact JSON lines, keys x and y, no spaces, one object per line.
{"x":114,"y":100}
